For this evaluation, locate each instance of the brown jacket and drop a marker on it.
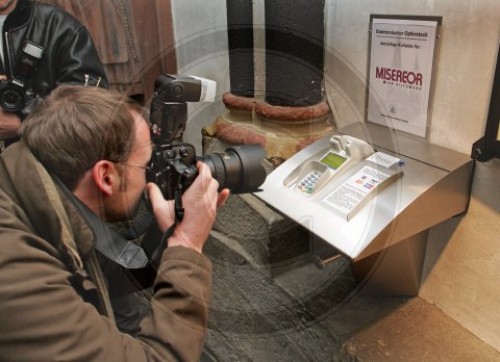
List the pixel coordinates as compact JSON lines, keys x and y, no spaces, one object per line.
{"x":53,"y":300}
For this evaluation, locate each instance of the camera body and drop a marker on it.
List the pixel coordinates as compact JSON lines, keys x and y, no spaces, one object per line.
{"x":15,"y":95}
{"x":173,"y":163}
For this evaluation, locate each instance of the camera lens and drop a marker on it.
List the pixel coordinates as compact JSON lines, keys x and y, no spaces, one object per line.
{"x":239,"y":168}
{"x":11,"y":99}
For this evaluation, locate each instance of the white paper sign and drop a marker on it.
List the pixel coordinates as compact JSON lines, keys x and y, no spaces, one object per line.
{"x":402,"y":53}
{"x":349,"y":197}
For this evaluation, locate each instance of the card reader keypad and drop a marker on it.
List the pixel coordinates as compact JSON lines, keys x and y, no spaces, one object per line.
{"x":307,"y":183}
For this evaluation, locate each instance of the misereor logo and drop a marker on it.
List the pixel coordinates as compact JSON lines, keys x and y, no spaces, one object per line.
{"x":398,"y":75}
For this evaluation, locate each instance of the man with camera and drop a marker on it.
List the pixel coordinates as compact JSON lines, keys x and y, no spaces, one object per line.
{"x":41,"y":46}
{"x":81,"y":162}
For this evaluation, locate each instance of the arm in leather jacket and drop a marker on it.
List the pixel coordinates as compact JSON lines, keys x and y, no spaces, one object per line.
{"x":79,"y":60}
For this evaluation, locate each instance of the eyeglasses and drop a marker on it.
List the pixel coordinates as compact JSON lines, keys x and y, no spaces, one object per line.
{"x":147,"y":168}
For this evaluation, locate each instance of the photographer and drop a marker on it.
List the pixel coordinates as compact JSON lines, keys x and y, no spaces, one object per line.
{"x":87,"y":148}
{"x":41,"y":46}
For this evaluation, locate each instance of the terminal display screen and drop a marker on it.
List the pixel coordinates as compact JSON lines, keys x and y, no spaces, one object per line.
{"x":333,"y":160}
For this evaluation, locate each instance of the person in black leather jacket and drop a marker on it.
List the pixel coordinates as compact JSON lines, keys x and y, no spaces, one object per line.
{"x":68,"y":56}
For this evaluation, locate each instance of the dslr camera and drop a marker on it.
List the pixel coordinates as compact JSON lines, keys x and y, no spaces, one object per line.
{"x":173,"y":163}
{"x":15,"y":96}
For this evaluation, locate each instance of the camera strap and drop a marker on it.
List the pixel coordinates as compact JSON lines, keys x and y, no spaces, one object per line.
{"x":155,"y":256}
{"x":179,"y":209}
{"x":108,"y":241}
{"x":113,"y":245}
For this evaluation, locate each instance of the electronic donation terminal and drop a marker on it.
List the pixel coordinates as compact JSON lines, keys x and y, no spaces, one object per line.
{"x":344,"y":152}
{"x":326,"y":186}
{"x":372,"y":193}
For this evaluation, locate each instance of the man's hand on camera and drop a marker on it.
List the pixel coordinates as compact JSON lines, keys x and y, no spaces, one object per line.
{"x":200,"y":202}
{"x":163,"y":210}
